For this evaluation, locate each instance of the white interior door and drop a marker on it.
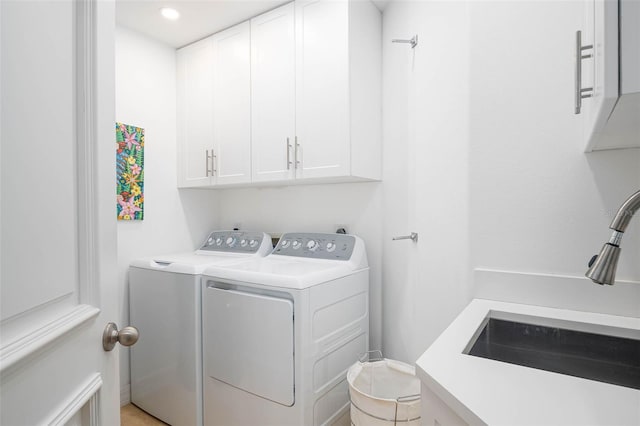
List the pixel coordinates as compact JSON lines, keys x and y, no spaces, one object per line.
{"x":58,"y":286}
{"x":273,"y":94}
{"x":232,"y":104}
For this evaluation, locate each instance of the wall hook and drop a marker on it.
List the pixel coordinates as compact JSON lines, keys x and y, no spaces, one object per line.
{"x":413,"y":41}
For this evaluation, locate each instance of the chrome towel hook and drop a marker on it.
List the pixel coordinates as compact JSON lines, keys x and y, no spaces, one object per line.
{"x":413,"y":237}
{"x":413,"y":41}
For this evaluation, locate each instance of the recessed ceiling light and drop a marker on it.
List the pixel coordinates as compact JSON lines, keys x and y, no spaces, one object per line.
{"x":170,"y":13}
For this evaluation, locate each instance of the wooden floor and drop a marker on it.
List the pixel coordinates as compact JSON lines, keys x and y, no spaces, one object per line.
{"x":130,"y":415}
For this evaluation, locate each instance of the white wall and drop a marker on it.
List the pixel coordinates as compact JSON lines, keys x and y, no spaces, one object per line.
{"x":426,"y":150}
{"x":173,"y":220}
{"x":539,"y":204}
{"x":484,"y":158}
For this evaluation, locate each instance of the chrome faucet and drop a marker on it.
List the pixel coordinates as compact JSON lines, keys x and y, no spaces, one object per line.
{"x":602,"y":267}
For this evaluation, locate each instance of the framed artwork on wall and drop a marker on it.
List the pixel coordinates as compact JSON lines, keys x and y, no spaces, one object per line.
{"x":130,"y":171}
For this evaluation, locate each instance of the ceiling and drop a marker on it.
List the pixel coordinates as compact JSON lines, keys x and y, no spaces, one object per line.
{"x":198,"y":18}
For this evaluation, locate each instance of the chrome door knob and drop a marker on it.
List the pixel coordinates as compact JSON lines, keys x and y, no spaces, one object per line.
{"x":127,"y":336}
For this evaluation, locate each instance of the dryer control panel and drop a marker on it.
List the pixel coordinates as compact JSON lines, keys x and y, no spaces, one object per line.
{"x":233,"y":241}
{"x":316,"y":246}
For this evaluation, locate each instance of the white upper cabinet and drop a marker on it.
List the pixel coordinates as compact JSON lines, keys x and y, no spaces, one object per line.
{"x":322,"y":88}
{"x":232,"y":105}
{"x":338,"y":90}
{"x":273,"y":94}
{"x":611,"y":69}
{"x":195,"y":114}
{"x":295,"y":95}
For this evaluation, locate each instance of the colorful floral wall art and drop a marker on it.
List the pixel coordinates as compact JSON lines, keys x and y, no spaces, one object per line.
{"x":130,"y":171}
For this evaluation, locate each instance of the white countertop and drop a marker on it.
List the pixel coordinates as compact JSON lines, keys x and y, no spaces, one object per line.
{"x":484,"y":391}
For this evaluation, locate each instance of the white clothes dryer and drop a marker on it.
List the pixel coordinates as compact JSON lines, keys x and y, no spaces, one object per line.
{"x":280,"y":333}
{"x":165,"y":306}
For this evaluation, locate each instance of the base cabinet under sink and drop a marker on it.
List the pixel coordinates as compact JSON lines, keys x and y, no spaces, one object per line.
{"x":435,"y":412}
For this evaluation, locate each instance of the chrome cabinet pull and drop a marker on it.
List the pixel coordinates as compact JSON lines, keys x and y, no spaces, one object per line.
{"x":214,"y":161}
{"x":295,"y":158}
{"x":413,"y":237}
{"x":208,"y":172}
{"x":580,"y":92}
{"x":288,"y":154}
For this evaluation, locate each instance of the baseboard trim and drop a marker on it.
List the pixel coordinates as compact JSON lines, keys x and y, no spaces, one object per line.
{"x":125,"y":395}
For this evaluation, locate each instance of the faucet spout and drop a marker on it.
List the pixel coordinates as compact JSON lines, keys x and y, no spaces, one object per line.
{"x":602,"y":267}
{"x":625,"y":213}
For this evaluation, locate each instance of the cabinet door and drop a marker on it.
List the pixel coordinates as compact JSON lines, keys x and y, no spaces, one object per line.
{"x":273,"y":94}
{"x":232,"y":105}
{"x":195,"y":113}
{"x":322,"y":89}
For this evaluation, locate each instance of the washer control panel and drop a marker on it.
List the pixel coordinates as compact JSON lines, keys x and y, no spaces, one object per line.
{"x":233,"y":241}
{"x":316,"y":246}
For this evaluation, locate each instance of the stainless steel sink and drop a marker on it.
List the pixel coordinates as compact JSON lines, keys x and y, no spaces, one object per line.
{"x":609,"y":356}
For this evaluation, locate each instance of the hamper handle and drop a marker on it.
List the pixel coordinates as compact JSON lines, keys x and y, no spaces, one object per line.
{"x":408,"y":398}
{"x":366,"y":356}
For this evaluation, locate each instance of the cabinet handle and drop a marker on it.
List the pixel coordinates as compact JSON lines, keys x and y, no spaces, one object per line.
{"x":295,"y":158}
{"x":214,"y":160}
{"x":207,"y":169}
{"x":288,"y":154}
{"x":587,"y":92}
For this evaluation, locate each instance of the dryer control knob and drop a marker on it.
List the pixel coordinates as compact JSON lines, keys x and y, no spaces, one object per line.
{"x":243,"y":242}
{"x":253,"y":243}
{"x":285,"y":243}
{"x":312,"y":245}
{"x":218,"y":241}
{"x":231,"y":241}
{"x":296,"y":245}
{"x":331,"y":246}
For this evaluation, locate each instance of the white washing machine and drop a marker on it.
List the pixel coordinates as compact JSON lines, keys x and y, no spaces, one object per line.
{"x":280,"y":333}
{"x":165,"y":305}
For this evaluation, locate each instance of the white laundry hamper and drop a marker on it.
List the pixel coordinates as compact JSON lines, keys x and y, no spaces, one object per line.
{"x":383,"y":392}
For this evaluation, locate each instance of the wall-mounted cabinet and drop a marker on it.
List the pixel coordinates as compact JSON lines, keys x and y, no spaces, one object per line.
{"x":273,"y":90}
{"x":195,"y":114}
{"x":609,"y":87}
{"x":232,"y":105}
{"x":302,"y":104}
{"x":214,"y":110}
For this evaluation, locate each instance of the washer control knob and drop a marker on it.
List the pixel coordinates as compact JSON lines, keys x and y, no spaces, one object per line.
{"x":218,"y":241}
{"x":231,"y":241}
{"x":331,"y":246}
{"x":285,"y":243}
{"x":210,"y":241}
{"x":312,"y":245}
{"x":253,"y":243}
{"x":296,"y":245}
{"x":243,"y":242}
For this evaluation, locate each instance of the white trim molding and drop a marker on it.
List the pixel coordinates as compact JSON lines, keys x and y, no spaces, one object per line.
{"x":20,"y":349}
{"x":86,"y":393}
{"x":125,"y":395}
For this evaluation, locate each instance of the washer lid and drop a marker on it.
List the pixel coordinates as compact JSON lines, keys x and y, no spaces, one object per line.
{"x":189,"y":263}
{"x":219,"y":248}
